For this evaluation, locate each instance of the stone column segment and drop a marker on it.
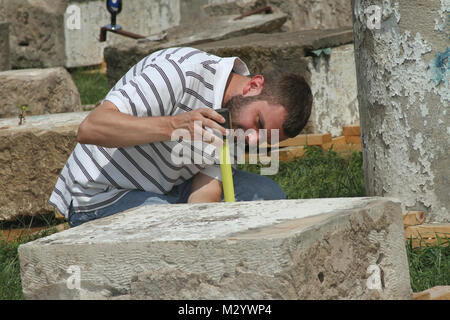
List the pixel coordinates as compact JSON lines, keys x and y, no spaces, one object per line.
{"x":348,"y":248}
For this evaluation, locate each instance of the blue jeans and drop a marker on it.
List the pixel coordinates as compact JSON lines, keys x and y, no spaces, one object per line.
{"x":247,"y":187}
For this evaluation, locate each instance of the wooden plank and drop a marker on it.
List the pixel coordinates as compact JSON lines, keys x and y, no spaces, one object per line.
{"x":289,"y":153}
{"x":423,"y":295}
{"x":353,"y":139}
{"x":302,"y":140}
{"x":428,"y":231}
{"x":351,"y":131}
{"x":338,"y":141}
{"x":435,"y":293}
{"x":339,"y":145}
{"x":413,"y":218}
{"x":422,"y":242}
{"x":14,"y":234}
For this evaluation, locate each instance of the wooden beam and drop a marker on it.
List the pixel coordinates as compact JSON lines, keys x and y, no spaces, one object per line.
{"x":353,"y":139}
{"x":427,"y":234}
{"x":435,"y":293}
{"x":428,"y":231}
{"x":339,"y":145}
{"x":413,"y":218}
{"x":15,"y":234}
{"x":351,"y":131}
{"x":302,"y":140}
{"x":289,"y":153}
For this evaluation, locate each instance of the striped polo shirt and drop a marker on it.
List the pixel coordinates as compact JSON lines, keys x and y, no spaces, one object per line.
{"x":165,"y":83}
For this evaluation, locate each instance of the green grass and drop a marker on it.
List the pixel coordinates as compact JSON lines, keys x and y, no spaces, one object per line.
{"x":93,"y":87}
{"x":319,"y":174}
{"x":10,"y":285}
{"x":10,"y":282}
{"x":429,"y":265}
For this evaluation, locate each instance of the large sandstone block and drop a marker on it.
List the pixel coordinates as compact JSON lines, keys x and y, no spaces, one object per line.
{"x":332,"y":74}
{"x":5,"y":63}
{"x":31,"y":158}
{"x":42,"y":90}
{"x":347,"y":248}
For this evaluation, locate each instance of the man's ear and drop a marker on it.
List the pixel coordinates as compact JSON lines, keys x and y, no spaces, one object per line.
{"x":254,"y":86}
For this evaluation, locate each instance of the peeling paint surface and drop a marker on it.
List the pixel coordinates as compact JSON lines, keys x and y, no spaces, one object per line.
{"x":404,"y":97}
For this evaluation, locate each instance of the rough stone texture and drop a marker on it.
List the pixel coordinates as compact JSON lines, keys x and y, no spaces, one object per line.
{"x":144,"y":17}
{"x":43,"y":33}
{"x":303,"y":14}
{"x":315,"y":14}
{"x":333,"y":84}
{"x":403,"y":92}
{"x":42,"y":90}
{"x":31,"y":158}
{"x":36,"y":32}
{"x":5,"y":63}
{"x":224,"y":27}
{"x":332,"y":77}
{"x":289,"y":249}
{"x":222,"y":8}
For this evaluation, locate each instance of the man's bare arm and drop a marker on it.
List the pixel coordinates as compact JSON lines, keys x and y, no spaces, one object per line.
{"x":205,"y":189}
{"x":108,"y":127}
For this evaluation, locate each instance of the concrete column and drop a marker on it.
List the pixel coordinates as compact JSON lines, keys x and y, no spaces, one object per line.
{"x":402,"y":61}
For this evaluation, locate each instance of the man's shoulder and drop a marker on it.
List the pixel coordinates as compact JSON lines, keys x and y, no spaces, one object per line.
{"x":185,"y":57}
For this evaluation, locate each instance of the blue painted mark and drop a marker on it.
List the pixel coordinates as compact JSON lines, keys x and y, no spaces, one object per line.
{"x":326,"y":51}
{"x":440,"y":67}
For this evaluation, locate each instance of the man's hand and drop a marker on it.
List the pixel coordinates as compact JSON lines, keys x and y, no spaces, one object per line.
{"x":194,"y":122}
{"x":205,"y":189}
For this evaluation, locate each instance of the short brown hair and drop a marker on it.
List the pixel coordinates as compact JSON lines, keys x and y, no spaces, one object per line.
{"x":293,"y":93}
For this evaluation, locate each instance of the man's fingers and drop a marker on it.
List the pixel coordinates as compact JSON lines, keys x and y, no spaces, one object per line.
{"x":215,"y":126}
{"x":212,"y":138}
{"x":210,"y":113}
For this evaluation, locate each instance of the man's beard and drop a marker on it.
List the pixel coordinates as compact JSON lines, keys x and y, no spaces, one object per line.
{"x":236,"y":105}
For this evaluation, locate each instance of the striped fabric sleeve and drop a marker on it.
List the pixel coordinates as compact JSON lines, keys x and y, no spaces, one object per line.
{"x":154,"y":92}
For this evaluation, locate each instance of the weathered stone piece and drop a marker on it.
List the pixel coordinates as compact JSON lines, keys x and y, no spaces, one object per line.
{"x":332,"y":76}
{"x":222,"y":8}
{"x":303,"y":15}
{"x":224,"y":27}
{"x":404,"y":98}
{"x":42,"y":90}
{"x":5,"y":63}
{"x":31,"y":158}
{"x":36,"y":32}
{"x":348,"y":248}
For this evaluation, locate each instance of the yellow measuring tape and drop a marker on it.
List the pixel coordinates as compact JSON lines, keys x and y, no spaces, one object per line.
{"x":225,"y":161}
